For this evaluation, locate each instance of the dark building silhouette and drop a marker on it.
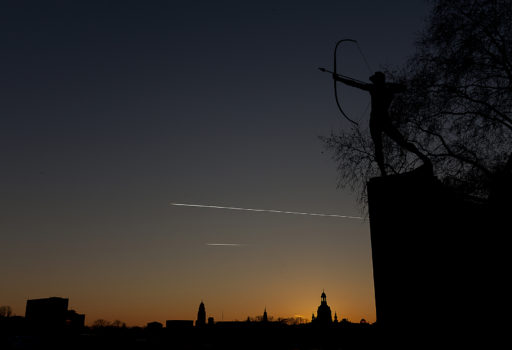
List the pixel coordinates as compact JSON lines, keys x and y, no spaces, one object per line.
{"x":211,"y":321}
{"x":154,"y":325}
{"x":52,"y":313}
{"x":74,"y":320}
{"x":48,"y":311}
{"x":265,"y":317}
{"x":201,"y":316}
{"x":323,"y":314}
{"x":179,"y":324}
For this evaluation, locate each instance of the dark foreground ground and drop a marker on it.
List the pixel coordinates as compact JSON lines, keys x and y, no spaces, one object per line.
{"x":256,"y":336}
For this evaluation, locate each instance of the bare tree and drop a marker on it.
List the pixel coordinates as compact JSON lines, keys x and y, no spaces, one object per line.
{"x":100,"y":323}
{"x":118,"y":324}
{"x":457,"y":108}
{"x":5,"y":311}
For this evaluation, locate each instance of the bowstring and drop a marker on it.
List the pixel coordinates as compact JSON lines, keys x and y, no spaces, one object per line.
{"x":370,"y":70}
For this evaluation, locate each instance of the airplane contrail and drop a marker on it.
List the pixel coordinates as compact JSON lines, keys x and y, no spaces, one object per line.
{"x":226,"y":244}
{"x":266,"y":210}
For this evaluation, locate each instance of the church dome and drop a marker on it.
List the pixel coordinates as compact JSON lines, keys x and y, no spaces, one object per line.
{"x":323,"y":315}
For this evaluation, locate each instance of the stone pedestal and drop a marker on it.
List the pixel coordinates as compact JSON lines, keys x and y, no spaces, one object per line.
{"x":437,"y":260}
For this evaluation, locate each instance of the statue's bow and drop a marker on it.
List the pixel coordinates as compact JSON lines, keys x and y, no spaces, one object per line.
{"x":336,"y":73}
{"x":335,"y":83}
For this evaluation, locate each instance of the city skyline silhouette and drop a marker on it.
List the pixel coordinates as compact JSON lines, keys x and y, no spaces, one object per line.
{"x":50,"y":322}
{"x":46,"y":310}
{"x":56,"y":307}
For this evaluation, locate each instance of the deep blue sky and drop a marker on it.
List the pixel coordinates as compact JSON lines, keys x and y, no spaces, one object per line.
{"x":111,"y":110}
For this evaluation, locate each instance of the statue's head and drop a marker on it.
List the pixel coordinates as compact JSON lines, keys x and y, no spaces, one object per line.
{"x":378,"y":78}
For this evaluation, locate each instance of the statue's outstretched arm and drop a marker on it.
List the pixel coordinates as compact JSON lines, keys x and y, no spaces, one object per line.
{"x":351,"y":82}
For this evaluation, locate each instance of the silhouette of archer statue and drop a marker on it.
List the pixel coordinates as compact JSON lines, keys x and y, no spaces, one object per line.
{"x":382,"y":95}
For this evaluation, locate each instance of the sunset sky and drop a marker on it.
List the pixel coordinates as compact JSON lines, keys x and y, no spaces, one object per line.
{"x":110,"y":111}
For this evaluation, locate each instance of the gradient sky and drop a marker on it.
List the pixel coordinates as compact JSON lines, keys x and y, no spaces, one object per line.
{"x":112,"y":110}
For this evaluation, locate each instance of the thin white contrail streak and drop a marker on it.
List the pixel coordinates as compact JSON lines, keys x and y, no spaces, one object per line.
{"x":266,"y":210}
{"x":226,"y":244}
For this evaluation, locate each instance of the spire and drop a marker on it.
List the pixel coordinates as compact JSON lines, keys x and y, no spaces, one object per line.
{"x":201,"y":315}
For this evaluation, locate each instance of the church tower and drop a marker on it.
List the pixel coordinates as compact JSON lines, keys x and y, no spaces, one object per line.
{"x":265,"y":318}
{"x":323,"y":314}
{"x":201,"y":316}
